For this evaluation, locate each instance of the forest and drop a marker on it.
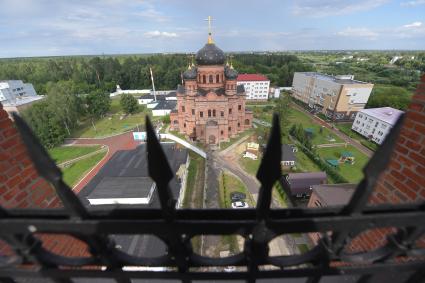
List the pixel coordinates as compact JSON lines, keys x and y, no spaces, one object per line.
{"x":78,"y":87}
{"x":132,"y":72}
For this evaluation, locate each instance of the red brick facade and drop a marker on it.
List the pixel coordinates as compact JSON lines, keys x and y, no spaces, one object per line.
{"x":210,"y":107}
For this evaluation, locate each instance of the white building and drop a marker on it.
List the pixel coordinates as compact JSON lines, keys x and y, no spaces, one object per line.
{"x":256,"y":86}
{"x":375,"y":123}
{"x":16,"y":96}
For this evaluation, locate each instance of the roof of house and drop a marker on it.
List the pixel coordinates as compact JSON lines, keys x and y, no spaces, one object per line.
{"x":288,"y":153}
{"x":300,"y":182}
{"x":252,"y":77}
{"x":346,"y":154}
{"x":386,"y":114}
{"x":334,"y":194}
{"x":122,"y":187}
{"x":159,"y":96}
{"x":335,"y":79}
{"x":166,"y":105}
{"x":127,"y":164}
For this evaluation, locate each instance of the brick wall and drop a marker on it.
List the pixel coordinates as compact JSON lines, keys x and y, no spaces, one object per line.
{"x":22,"y":187}
{"x":402,"y":181}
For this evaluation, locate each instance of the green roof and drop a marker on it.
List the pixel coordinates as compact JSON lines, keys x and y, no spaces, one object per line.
{"x":347,"y":154}
{"x":332,"y":162}
{"x":309,"y":130}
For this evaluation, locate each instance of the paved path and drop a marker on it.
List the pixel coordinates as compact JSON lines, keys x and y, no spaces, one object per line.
{"x":337,"y":132}
{"x":185,"y":144}
{"x":261,"y":122}
{"x":123,"y":141}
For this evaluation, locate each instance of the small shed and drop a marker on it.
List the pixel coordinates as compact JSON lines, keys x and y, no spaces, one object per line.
{"x":288,"y":157}
{"x":347,"y":157}
{"x":252,"y":147}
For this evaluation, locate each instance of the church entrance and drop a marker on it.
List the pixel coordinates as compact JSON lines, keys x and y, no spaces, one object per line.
{"x":211,"y":139}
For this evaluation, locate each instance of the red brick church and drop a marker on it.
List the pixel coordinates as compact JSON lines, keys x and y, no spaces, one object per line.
{"x":210,"y":107}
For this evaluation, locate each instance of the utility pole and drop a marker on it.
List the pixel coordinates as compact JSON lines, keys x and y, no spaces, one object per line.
{"x":153,"y":84}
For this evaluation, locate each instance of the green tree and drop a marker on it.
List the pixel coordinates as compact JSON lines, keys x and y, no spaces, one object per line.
{"x":98,"y":104}
{"x":128,"y":103}
{"x":64,"y":103}
{"x":283,"y":108}
{"x":46,"y":125}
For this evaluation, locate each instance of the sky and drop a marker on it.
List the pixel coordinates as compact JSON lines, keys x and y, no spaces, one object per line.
{"x":79,"y":27}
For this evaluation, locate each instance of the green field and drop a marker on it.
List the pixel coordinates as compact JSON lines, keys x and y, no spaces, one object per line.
{"x":65,"y":153}
{"x":353,"y":173}
{"x":249,"y":165}
{"x":304,"y":164}
{"x":114,"y":123}
{"x":77,"y":170}
{"x":298,"y":117}
{"x":346,"y":129}
{"x":195,"y":182}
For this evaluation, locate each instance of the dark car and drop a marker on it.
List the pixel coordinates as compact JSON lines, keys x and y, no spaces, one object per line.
{"x":237,"y":196}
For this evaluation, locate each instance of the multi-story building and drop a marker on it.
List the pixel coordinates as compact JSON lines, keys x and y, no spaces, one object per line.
{"x":210,"y":106}
{"x":376,"y":123}
{"x":338,"y":97}
{"x":16,"y":96}
{"x":256,"y":86}
{"x":14,"y":89}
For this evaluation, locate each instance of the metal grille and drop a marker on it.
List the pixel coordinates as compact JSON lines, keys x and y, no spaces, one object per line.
{"x":176,"y":227}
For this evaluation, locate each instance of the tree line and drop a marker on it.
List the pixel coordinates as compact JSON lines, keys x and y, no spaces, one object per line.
{"x":54,"y":118}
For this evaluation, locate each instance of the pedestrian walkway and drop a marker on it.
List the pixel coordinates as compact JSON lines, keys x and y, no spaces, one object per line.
{"x":115,"y":143}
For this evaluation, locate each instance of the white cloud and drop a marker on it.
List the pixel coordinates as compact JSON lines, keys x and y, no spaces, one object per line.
{"x":413,"y":25}
{"x":359,"y":32}
{"x":413,"y":3}
{"x":152,"y":14}
{"x":157,"y":33}
{"x":313,"y":8}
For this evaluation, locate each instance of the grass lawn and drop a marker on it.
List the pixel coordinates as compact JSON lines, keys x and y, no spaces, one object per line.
{"x":195,"y":182}
{"x":304,"y":164}
{"x":112,"y":123}
{"x":346,"y":129}
{"x":73,"y":173}
{"x":353,"y":173}
{"x":298,"y":117}
{"x":249,"y":165}
{"x":228,"y":184}
{"x":65,"y":153}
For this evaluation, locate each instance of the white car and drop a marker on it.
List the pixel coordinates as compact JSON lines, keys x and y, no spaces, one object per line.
{"x":239,"y":204}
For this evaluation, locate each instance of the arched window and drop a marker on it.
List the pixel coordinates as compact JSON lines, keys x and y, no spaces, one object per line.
{"x":204,"y":79}
{"x":217,"y":78}
{"x":211,"y":79}
{"x":246,"y":121}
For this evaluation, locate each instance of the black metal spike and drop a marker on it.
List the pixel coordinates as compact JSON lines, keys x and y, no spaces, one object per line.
{"x":159,"y":169}
{"x":376,"y":165}
{"x":47,"y":169}
{"x":269,"y":171}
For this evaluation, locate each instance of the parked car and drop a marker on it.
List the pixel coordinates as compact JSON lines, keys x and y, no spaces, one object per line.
{"x":237,"y":196}
{"x":239,"y":204}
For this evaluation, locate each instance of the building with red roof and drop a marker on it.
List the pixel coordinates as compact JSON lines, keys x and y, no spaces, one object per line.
{"x":256,"y":86}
